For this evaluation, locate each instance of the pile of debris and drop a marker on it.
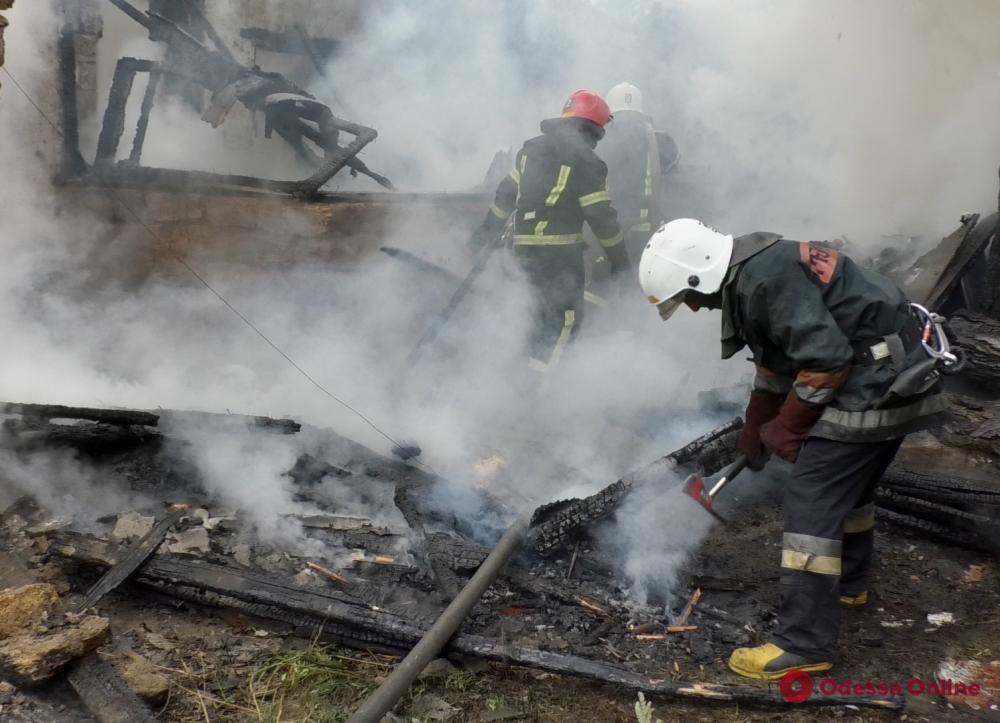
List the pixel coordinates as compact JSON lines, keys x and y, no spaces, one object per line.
{"x":378,"y":585}
{"x":377,"y":582}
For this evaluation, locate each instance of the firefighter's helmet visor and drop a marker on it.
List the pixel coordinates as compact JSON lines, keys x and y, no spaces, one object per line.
{"x":668,"y":307}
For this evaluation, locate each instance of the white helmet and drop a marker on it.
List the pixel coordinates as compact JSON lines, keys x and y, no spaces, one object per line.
{"x":625,"y":96}
{"x":682,"y":256}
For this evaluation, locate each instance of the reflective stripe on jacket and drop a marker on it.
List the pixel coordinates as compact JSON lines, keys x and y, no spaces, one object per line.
{"x":558,"y":182}
{"x":802,"y":308}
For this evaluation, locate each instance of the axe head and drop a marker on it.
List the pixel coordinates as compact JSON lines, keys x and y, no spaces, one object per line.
{"x":694,"y":487}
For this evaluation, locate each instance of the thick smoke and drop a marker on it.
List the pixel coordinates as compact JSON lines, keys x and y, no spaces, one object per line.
{"x":814,"y":120}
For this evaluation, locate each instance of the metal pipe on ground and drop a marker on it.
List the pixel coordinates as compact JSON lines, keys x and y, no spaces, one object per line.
{"x":395,"y":686}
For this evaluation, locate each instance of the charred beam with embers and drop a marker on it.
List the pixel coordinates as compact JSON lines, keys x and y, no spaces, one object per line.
{"x":296,"y":116}
{"x":341,"y":618}
{"x":560,"y":523}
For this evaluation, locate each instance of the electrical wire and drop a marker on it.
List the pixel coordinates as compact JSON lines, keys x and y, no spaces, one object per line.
{"x":180,"y":259}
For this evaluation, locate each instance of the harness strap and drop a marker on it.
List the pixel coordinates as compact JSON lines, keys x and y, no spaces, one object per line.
{"x":891,"y":346}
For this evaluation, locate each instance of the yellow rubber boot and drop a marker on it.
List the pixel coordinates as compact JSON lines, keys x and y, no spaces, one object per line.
{"x":855,"y":601}
{"x":769,"y":662}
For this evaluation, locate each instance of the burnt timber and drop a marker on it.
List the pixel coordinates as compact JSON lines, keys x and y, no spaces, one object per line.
{"x":340,"y":619}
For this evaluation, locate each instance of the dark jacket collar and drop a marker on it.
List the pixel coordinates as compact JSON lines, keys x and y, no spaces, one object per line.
{"x":744,"y":248}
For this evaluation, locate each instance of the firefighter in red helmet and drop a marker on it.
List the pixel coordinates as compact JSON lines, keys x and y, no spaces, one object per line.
{"x":558,"y":182}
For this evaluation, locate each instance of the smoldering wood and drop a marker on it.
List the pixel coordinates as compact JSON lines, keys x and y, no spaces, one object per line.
{"x":433,"y":549}
{"x":25,"y":433}
{"x":120,"y":417}
{"x":105,"y":694}
{"x":561,"y":522}
{"x":342,"y":620}
{"x":131,"y":560}
{"x":978,"y":336}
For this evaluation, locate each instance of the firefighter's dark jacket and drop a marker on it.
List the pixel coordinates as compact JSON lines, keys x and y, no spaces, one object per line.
{"x":636,"y":155}
{"x":805,"y":310}
{"x":558,"y":182}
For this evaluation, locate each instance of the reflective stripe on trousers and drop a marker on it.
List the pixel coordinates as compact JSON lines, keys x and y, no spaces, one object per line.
{"x":830,"y":491}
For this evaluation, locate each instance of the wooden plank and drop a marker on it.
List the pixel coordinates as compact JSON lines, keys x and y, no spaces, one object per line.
{"x":132,"y":560}
{"x":364,"y":626}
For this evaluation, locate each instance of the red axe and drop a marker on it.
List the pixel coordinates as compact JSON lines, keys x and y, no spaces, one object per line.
{"x":694,"y":486}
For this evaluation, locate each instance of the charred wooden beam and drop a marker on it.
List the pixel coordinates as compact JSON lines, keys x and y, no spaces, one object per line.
{"x":270,"y":424}
{"x":133,"y":12}
{"x":142,"y":125}
{"x":964,"y":529}
{"x":978,"y":233}
{"x":114,"y":115}
{"x":28,"y":434}
{"x":959,"y":492}
{"x":337,"y":160}
{"x":105,"y":694}
{"x":72,"y":163}
{"x":558,"y":523}
{"x":978,"y":336}
{"x":943,"y":533}
{"x":132,"y":560}
{"x":433,"y":549}
{"x":288,"y":42}
{"x":173,"y":179}
{"x":431,"y":643}
{"x":120,"y":417}
{"x":362,"y":626}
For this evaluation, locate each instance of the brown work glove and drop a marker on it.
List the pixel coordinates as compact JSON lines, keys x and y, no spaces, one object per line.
{"x":762,"y":408}
{"x":785,"y":434}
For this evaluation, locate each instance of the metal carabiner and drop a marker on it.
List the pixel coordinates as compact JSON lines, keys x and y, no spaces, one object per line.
{"x":935,"y":341}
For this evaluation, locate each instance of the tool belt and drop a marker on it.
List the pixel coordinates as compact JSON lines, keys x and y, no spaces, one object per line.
{"x":891,"y":347}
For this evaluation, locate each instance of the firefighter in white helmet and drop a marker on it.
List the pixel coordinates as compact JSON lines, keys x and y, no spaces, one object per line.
{"x":842,"y":377}
{"x":638,"y":157}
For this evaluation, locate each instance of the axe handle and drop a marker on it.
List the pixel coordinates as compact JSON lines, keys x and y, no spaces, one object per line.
{"x":737,"y":466}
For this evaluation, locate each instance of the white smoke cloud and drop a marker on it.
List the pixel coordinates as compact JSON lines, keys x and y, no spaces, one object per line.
{"x":813,"y":120}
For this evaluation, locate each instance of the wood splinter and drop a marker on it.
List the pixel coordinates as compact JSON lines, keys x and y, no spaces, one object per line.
{"x":689,"y":608}
{"x":671,"y":630}
{"x":592,"y":607}
{"x":328,"y":574}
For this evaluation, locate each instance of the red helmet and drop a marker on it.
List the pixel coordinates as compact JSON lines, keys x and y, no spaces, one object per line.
{"x":588,"y":105}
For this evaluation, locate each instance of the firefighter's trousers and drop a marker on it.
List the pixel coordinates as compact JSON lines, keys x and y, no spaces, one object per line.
{"x":828,"y":537}
{"x":556,"y":276}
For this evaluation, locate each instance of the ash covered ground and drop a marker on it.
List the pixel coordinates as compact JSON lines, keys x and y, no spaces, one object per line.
{"x":373,"y":521}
